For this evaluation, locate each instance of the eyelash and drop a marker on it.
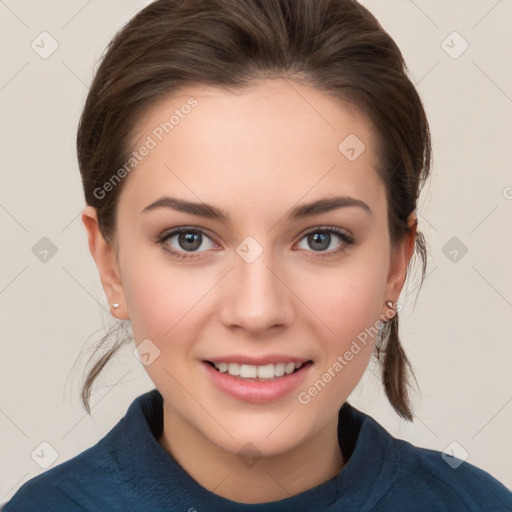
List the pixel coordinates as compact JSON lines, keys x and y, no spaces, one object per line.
{"x":342,"y":235}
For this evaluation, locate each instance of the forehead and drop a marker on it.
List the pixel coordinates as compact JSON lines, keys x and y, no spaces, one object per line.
{"x":275,"y":137}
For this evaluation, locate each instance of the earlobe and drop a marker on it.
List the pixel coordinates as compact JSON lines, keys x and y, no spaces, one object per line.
{"x":104,"y":256}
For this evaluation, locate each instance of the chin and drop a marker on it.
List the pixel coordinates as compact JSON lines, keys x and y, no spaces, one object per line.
{"x":267,"y":437}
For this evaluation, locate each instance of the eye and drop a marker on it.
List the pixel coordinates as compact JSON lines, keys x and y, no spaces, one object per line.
{"x":181,"y":241}
{"x":322,"y":238}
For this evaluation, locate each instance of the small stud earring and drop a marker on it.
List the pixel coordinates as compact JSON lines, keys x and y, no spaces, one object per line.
{"x":391,"y":306}
{"x":115,"y":305}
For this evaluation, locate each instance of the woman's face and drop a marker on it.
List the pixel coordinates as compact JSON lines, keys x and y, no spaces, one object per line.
{"x":265,"y":283}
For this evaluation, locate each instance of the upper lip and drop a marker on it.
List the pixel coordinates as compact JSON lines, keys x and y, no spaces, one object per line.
{"x":258,"y":361}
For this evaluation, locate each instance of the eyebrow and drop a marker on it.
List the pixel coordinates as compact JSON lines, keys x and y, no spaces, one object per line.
{"x":298,"y":212}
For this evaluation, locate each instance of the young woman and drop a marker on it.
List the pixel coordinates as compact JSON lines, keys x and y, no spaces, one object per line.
{"x":251,"y":171}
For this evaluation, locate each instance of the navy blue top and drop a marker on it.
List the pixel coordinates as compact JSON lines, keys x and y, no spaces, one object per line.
{"x":128,"y":470}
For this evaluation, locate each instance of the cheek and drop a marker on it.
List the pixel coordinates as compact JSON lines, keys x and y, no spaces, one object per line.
{"x":349,"y":299}
{"x":161,"y":297}
{"x":349,"y":304}
{"x":165,"y":305}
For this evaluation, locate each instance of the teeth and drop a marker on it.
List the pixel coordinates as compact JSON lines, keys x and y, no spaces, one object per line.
{"x":233,"y":369}
{"x":279,"y":369}
{"x":289,"y":368}
{"x":248,"y":371}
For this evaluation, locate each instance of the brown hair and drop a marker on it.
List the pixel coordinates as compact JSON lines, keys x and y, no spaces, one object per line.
{"x":335,"y":46}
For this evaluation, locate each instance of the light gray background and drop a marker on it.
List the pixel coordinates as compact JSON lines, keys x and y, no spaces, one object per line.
{"x":52,"y":313}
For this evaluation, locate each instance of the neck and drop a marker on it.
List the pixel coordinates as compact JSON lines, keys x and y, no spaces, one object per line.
{"x":258,"y":480}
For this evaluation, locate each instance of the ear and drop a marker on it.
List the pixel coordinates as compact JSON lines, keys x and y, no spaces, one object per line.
{"x":399,"y":261}
{"x":104,"y":255}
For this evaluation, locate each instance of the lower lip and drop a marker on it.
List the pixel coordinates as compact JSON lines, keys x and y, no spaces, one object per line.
{"x":254,"y":390}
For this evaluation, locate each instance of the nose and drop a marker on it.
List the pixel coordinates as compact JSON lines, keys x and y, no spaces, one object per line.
{"x":256,"y":296}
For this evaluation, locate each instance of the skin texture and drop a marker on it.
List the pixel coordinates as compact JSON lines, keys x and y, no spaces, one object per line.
{"x":255,"y":154}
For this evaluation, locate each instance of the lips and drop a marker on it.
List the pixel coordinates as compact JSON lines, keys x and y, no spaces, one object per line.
{"x":255,"y":389}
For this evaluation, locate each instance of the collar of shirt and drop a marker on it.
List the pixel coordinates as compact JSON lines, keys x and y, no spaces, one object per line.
{"x":153,"y":472}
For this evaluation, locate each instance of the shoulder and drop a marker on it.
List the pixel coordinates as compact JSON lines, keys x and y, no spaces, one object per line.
{"x":41,"y":494}
{"x":116,"y":462}
{"x":85,"y":482}
{"x":62,"y":487}
{"x":445,"y":482}
{"x":407,"y":477}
